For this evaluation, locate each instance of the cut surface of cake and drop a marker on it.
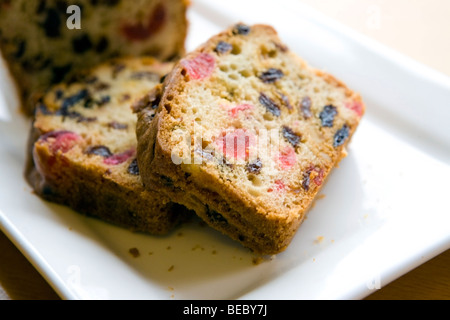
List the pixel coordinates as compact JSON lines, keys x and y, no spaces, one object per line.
{"x":44,"y":41}
{"x":245,"y":134}
{"x":83,"y":143}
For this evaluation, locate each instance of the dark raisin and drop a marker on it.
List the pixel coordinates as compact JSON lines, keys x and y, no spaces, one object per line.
{"x":223,"y":47}
{"x":117,"y":69}
{"x":117,"y":125}
{"x":52,"y":23}
{"x":74,"y":115}
{"x":42,"y":108}
{"x":73,"y":99}
{"x":104,"y":100}
{"x":341,"y":135}
{"x":82,"y":118}
{"x":305,"y":107}
{"x":82,"y":43}
{"x":61,"y":5}
{"x":166,"y":181}
{"x":215,"y":217}
{"x":99,"y":151}
{"x":21,"y":47}
{"x":59,"y":72}
{"x":125,"y":97}
{"x":241,"y":29}
{"x":133,"y":168}
{"x":89,"y":103}
{"x":66,"y":113}
{"x":41,"y":6}
{"x":155,"y":103}
{"x":110,"y":3}
{"x":151,"y":76}
{"x":306,"y":180}
{"x":102,"y":45}
{"x":78,"y":77}
{"x":151,"y":100}
{"x":224,"y":162}
{"x":150,"y":116}
{"x":36,"y":63}
{"x":59,"y":94}
{"x":327,"y":115}
{"x":47,"y":191}
{"x":271,"y":75}
{"x":102,"y":86}
{"x":45,"y":63}
{"x":26,"y":64}
{"x":89,"y":79}
{"x":286,"y":101}
{"x":270,"y":105}
{"x":291,"y":136}
{"x":254,"y":167}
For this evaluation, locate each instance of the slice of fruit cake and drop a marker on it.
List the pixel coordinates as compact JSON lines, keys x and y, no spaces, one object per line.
{"x":246,"y":134}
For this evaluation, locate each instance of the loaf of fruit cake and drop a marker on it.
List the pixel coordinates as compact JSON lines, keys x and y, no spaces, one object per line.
{"x":83,"y":147}
{"x":43,"y":41}
{"x":245,"y":134}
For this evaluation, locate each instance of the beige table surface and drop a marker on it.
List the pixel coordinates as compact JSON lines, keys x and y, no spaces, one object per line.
{"x":417,"y":28}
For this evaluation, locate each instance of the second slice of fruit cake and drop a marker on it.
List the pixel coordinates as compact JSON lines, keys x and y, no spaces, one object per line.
{"x":246,"y":134}
{"x":83,"y":146}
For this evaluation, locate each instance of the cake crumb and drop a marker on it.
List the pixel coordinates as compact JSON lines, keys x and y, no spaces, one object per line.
{"x":257,"y":260}
{"x":198,"y":247}
{"x":319,"y":239}
{"x":171,"y":268}
{"x":134,"y":252}
{"x":320,"y":196}
{"x":317,"y":198}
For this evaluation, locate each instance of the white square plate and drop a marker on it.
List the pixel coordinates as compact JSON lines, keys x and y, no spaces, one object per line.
{"x":384,"y":211}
